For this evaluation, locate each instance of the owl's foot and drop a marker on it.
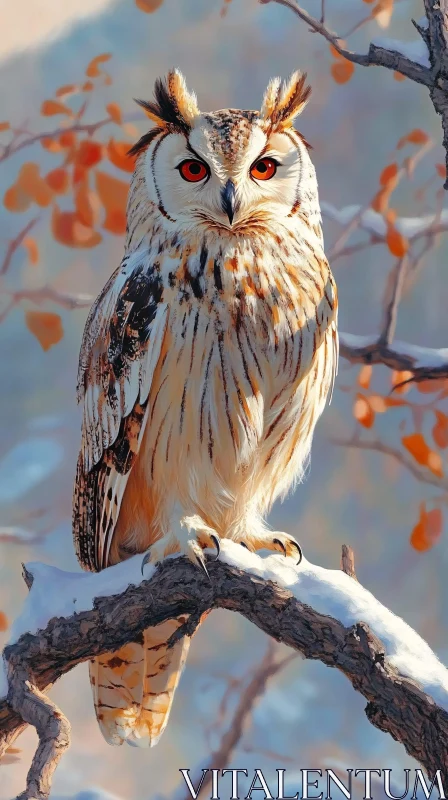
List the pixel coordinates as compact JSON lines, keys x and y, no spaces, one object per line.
{"x":275,"y":540}
{"x":191,"y":539}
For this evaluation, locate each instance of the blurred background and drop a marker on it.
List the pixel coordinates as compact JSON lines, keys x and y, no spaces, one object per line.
{"x":308,"y":715}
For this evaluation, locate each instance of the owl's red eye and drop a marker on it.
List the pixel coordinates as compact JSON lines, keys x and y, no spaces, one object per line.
{"x":264,"y":169}
{"x":193,"y":170}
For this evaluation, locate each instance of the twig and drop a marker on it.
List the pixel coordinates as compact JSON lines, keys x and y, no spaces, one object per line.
{"x":90,"y":128}
{"x":14,"y":244}
{"x":422,"y":475}
{"x":348,"y":561}
{"x":241,"y":717}
{"x":392,"y":299}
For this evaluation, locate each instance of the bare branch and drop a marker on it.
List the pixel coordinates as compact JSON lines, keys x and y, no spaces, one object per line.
{"x":78,"y":127}
{"x":375,"y":445}
{"x":15,"y":244}
{"x":400,"y":677}
{"x":256,"y":688}
{"x":392,"y":299}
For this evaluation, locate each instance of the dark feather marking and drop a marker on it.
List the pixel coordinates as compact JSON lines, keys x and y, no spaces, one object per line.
{"x":182,"y":406}
{"x":246,"y":371}
{"x":144,"y":141}
{"x":204,"y":392}
{"x":195,"y":330}
{"x":165,"y":107}
{"x":156,"y":443}
{"x":210,"y":436}
{"x":159,"y":197}
{"x":224,"y":382}
{"x":217,"y":275}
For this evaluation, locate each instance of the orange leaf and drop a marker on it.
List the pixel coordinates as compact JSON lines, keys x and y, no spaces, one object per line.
{"x":58,"y":180}
{"x":118,"y":154}
{"x":440,"y":430}
{"x":67,"y":139}
{"x":51,"y":144}
{"x":51,"y":107}
{"x":68,"y":89}
{"x":114,"y":111}
{"x":388,"y":174}
{"x":115,"y":221}
{"x":441,"y":170}
{"x":378,"y":403}
{"x":3,"y":621}
{"x":15,"y":199}
{"x":398,"y":377}
{"x":33,"y":253}
{"x":362,"y":411}
{"x":417,"y":136}
{"x":398,"y":76}
{"x":381,"y":199}
{"x":342,"y":71}
{"x":92,"y":70}
{"x":431,"y":386}
{"x":87,"y":86}
{"x":89,"y":153}
{"x":383,"y":12}
{"x":4,"y":126}
{"x":365,"y":374}
{"x":419,"y":450}
{"x":113,"y":194}
{"x":87,"y":205}
{"x":69,"y":230}
{"x":45,"y":326}
{"x":428,"y":529}
{"x":397,"y":244}
{"x":148,"y":6}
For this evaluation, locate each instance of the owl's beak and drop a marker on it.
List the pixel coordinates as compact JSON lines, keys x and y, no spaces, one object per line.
{"x":228,"y":200}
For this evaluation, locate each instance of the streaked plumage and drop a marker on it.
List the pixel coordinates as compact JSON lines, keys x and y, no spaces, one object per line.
{"x":205,"y":365}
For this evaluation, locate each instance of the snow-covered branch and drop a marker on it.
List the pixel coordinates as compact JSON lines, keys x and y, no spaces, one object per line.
{"x":425,"y":363}
{"x":424,"y":62}
{"x":324,"y":614}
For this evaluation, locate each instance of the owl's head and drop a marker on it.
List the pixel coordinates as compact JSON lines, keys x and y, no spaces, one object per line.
{"x":229,"y":169}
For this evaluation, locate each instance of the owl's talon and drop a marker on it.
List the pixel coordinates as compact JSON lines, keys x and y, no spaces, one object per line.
{"x":216,"y":540}
{"x":277,"y":541}
{"x":299,"y":550}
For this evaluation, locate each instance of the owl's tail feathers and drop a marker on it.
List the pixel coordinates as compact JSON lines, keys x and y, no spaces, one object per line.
{"x":133,"y":688}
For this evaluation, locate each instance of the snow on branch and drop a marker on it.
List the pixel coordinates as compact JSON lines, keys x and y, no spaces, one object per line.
{"x":425,"y":363}
{"x":324,"y":614}
{"x":425,"y":62}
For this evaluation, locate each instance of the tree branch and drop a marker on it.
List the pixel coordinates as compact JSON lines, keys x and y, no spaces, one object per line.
{"x":425,"y":363}
{"x":324,"y":614}
{"x":435,"y":39}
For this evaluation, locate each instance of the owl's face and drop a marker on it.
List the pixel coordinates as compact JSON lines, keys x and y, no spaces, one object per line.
{"x":229,"y":169}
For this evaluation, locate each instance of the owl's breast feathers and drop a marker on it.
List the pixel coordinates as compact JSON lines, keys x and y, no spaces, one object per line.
{"x":209,"y":361}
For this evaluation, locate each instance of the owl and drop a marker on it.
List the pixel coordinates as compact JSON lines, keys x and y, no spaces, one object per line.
{"x":205,"y":364}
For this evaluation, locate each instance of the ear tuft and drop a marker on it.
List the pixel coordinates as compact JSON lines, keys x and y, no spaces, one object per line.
{"x":173,"y":106}
{"x":283,"y":101}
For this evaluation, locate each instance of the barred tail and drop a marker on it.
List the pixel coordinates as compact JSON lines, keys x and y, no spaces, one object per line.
{"x":133,"y":688}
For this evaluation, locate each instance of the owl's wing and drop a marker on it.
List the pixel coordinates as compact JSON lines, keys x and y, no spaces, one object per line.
{"x":119,"y":352}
